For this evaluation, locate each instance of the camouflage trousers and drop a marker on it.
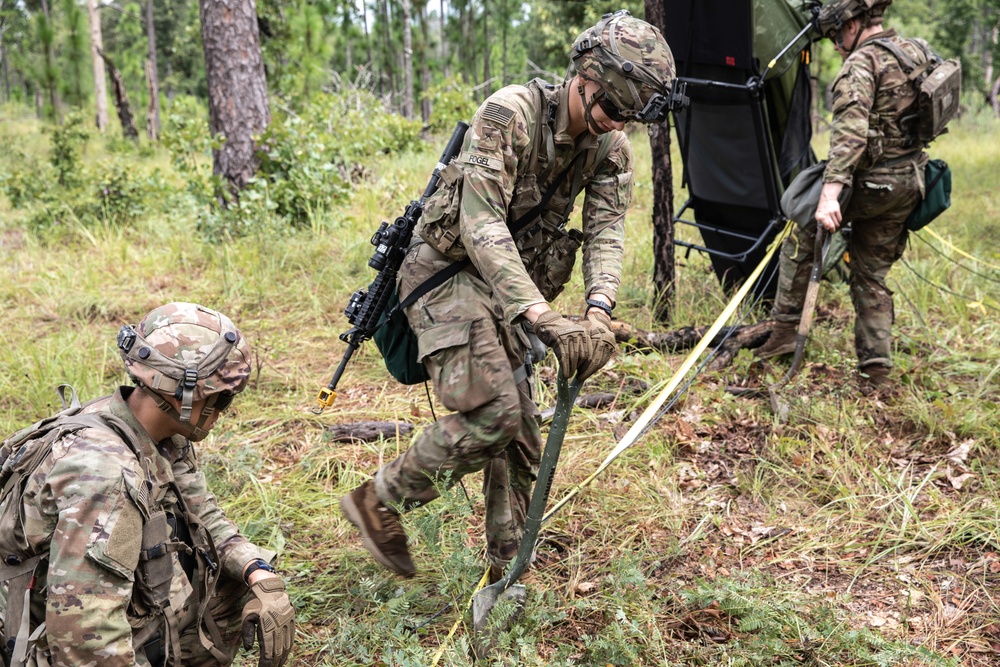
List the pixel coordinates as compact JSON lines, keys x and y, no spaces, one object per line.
{"x":470,"y":353}
{"x":882,"y":199}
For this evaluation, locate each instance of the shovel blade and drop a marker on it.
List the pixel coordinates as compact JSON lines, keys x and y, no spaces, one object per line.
{"x":482,"y":604}
{"x":779,"y":406}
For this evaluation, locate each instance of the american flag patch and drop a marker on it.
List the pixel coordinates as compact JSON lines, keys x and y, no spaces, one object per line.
{"x":497,"y":113}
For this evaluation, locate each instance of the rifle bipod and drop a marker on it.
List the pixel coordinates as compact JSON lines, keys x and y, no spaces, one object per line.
{"x":486,"y":599}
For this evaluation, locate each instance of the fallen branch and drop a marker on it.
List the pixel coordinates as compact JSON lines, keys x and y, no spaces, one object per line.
{"x":685,"y":338}
{"x":367,"y":431}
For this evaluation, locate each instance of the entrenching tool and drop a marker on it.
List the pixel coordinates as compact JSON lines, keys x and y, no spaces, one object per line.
{"x":820,"y":248}
{"x":484,"y":601}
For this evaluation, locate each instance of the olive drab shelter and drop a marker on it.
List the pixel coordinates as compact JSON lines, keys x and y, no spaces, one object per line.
{"x":746,"y":133}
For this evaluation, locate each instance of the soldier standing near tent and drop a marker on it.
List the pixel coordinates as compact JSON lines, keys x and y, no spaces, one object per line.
{"x":528,"y":146}
{"x":115,"y":553}
{"x":873,"y":149}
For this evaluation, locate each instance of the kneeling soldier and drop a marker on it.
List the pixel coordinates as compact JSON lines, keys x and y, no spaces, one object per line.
{"x":115,"y":552}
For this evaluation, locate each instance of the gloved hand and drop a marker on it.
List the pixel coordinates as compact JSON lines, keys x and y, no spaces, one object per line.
{"x":602,"y":339}
{"x":569,"y":340}
{"x":270,"y":617}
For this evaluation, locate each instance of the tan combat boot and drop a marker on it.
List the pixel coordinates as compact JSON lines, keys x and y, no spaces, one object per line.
{"x":381,"y":531}
{"x":781,"y":340}
{"x":875,"y":380}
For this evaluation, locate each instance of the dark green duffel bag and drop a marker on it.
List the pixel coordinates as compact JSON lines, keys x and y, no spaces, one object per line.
{"x":937,"y":195}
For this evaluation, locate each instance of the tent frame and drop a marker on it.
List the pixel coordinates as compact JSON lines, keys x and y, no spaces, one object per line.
{"x":752,"y":94}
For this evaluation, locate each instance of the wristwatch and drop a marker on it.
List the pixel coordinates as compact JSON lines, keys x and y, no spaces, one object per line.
{"x":594,"y":303}
{"x":258,"y":564}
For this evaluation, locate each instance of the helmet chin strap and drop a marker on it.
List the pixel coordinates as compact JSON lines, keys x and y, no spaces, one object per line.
{"x":587,"y":107}
{"x":840,"y":39}
{"x":191,"y":431}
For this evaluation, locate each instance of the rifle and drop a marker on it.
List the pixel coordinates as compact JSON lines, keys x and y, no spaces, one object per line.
{"x":391,"y":242}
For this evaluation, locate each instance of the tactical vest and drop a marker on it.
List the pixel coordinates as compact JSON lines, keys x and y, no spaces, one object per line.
{"x":547,"y":248}
{"x":20,"y":455}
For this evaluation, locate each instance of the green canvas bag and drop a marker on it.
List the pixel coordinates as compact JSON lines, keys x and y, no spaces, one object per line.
{"x":937,"y":195}
{"x":395,"y":339}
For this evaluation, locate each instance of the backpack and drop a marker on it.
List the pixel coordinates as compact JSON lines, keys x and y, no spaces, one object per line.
{"x":938,"y":84}
{"x":20,"y":454}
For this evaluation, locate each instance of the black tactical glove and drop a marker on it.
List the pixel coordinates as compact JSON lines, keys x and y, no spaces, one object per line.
{"x":270,"y":617}
{"x":569,"y":340}
{"x":602,"y":339}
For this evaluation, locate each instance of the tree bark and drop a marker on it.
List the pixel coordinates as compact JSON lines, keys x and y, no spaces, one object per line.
{"x":732,"y":339}
{"x":470,"y":14}
{"x":463,"y":44}
{"x":425,"y":70}
{"x":994,"y":95}
{"x":368,"y":44}
{"x":152,"y":79}
{"x":444,"y":45}
{"x":100,"y":83}
{"x":3,"y":64}
{"x":504,"y":22}
{"x":407,"y":8}
{"x":488,"y":88}
{"x":663,"y":198}
{"x":388,"y":52}
{"x":122,"y":105}
{"x":49,"y":58}
{"x":367,"y":431}
{"x":238,"y":107}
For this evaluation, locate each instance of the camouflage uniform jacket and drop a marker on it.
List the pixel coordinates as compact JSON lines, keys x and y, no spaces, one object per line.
{"x":81,"y":506}
{"x":499,"y":178}
{"x":872,"y":116}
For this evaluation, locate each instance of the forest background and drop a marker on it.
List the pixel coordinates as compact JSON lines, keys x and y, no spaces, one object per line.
{"x":846,"y":531}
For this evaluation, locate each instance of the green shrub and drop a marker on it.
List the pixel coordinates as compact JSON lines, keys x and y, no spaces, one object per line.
{"x":451,"y":101}
{"x":185,"y":135}
{"x":120,"y":196}
{"x":68,"y":141}
{"x":27,"y":180}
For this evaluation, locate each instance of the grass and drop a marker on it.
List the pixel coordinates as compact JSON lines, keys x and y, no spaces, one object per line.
{"x":855,"y":532}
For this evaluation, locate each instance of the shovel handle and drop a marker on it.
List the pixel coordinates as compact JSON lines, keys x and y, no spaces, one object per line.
{"x":566,"y":397}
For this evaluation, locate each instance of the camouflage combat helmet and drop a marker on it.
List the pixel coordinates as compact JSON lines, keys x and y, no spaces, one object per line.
{"x":836,"y":13}
{"x":631,"y":62}
{"x":187,"y":352}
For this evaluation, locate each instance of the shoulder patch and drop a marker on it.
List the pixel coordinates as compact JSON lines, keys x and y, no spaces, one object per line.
{"x":497,"y":113}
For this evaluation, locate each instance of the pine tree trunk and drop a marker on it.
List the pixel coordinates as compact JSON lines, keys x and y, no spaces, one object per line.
{"x":49,"y":58}
{"x":368,"y":45}
{"x":100,"y":82}
{"x":407,"y":60}
{"x":6,"y":75}
{"x":505,"y":21}
{"x":122,"y":105}
{"x":463,"y":44}
{"x":170,"y":88}
{"x":238,"y":106}
{"x":388,"y":53}
{"x":470,"y":15}
{"x":994,"y":95}
{"x":152,"y":79}
{"x":488,"y":89}
{"x":425,"y":70}
{"x":663,"y":197}
{"x":444,"y":45}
